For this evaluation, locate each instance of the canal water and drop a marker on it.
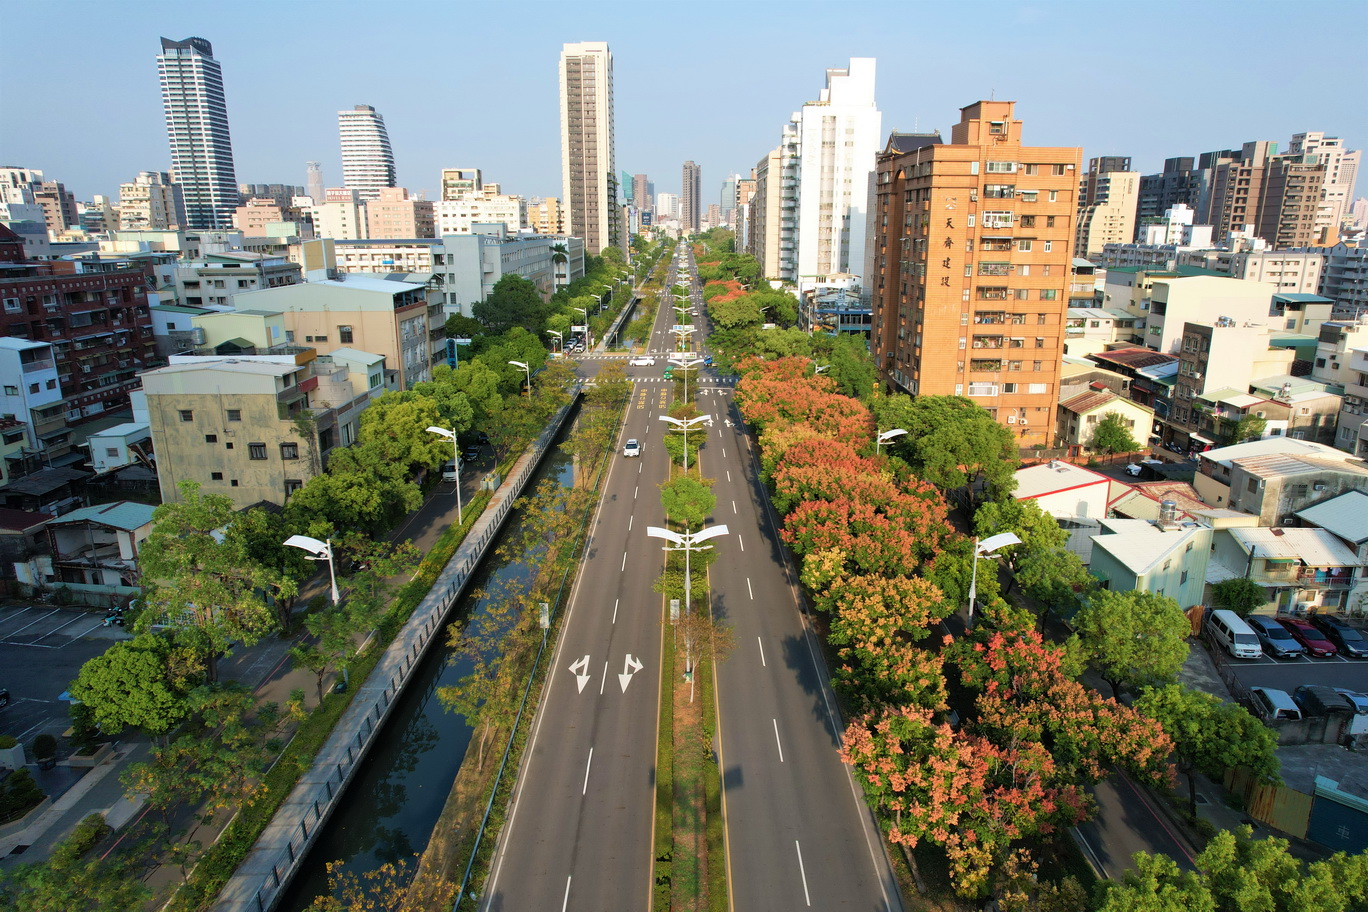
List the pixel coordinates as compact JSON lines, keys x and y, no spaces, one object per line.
{"x":388,"y":812}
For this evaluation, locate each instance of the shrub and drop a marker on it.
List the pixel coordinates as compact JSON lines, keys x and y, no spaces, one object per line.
{"x":83,"y":728}
{"x":18,"y":794}
{"x":85,"y":837}
{"x":6,"y":741}
{"x":44,"y":747}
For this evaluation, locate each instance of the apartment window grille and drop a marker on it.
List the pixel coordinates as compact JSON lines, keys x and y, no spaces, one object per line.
{"x":187,"y":414}
{"x":256,"y":451}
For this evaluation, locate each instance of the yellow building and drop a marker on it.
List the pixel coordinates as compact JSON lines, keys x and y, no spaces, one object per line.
{"x":255,"y":429}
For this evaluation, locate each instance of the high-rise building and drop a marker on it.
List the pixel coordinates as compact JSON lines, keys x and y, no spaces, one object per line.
{"x":1341,"y":170}
{"x":727,"y":200}
{"x":1107,"y":199}
{"x":197,"y":128}
{"x":367,"y":159}
{"x":314,"y":181}
{"x":151,"y":202}
{"x":395,"y":215}
{"x":641,"y":193}
{"x":546,"y":216}
{"x":838,"y":139}
{"x":459,"y":183}
{"x":763,"y":238}
{"x":1178,"y":184}
{"x":691,"y":197}
{"x":588,"y":159}
{"x":972,"y":253}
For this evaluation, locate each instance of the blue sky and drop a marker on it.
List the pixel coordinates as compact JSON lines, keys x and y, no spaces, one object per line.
{"x":474,"y":85}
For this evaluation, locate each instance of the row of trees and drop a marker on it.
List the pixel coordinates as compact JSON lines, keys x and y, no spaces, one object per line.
{"x":885,"y":566}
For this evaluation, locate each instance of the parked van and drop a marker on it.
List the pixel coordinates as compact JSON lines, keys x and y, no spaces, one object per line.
{"x":451,"y":470}
{"x":1271,"y":704}
{"x":1225,"y":627}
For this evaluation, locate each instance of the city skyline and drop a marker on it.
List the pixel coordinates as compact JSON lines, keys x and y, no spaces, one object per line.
{"x":281,"y":122}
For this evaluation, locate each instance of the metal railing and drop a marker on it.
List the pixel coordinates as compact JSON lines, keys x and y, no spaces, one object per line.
{"x":390,"y":676}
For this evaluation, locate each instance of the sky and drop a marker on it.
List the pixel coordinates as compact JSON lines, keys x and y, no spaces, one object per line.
{"x":475,"y":85}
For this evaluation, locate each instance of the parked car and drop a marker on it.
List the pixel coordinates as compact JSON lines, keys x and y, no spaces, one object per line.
{"x":1314,"y":641}
{"x":4,"y":697}
{"x":1226,"y":628}
{"x":472,"y":451}
{"x":1359,"y":700}
{"x":1274,"y":637}
{"x":1270,"y":704}
{"x":631,"y":448}
{"x":1349,"y":641}
{"x":481,"y":438}
{"x":1320,"y":700}
{"x":641,"y":361}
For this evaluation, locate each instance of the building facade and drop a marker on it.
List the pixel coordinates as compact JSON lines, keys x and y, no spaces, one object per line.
{"x":691,"y":198}
{"x":1106,"y":210}
{"x":973,"y":242}
{"x":197,"y":127}
{"x":393,"y":214}
{"x":367,"y":158}
{"x":588,"y":160}
{"x":151,"y":202}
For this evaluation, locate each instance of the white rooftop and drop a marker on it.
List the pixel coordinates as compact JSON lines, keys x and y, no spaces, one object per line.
{"x":1270,"y":445}
{"x":1140,"y":544}
{"x":1345,"y":516}
{"x":1051,"y":477}
{"x":233,"y":365}
{"x":369,"y":283}
{"x":1313,"y":547}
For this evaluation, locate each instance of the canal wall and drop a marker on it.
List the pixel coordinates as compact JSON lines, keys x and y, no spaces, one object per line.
{"x":257,"y":884}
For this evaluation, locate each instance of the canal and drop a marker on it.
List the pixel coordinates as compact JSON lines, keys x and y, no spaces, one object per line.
{"x":388,"y":812}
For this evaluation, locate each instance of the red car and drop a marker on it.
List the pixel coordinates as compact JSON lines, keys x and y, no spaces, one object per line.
{"x":1315,"y":642}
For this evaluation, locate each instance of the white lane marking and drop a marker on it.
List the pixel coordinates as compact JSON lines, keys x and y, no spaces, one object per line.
{"x":801,"y":871}
{"x":615,"y":604}
{"x":565,"y":905}
{"x":740,"y":542}
{"x":624,"y":561}
{"x":728,"y":474}
{"x":629,"y":523}
{"x":601,"y":683}
{"x":629,"y":528}
{"x":724,"y":452}
{"x":777,"y":742}
{"x":635,"y":491}
{"x":583,"y":791}
{"x":761,"y":644}
{"x":580,"y":669}
{"x":749,"y":589}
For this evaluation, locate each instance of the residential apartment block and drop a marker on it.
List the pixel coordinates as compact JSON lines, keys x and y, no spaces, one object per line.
{"x":588,"y":161}
{"x":367,"y":157}
{"x":1107,"y":199}
{"x":972,"y":267}
{"x":393,"y":214}
{"x":691,"y":197}
{"x":197,"y":128}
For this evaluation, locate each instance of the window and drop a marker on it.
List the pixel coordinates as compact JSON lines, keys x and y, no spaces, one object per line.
{"x":1037,"y":389}
{"x":292,"y":485}
{"x":1024,"y":244}
{"x":1049,"y":221}
{"x":1252,"y":485}
{"x":233,"y":483}
{"x":1027,"y":221}
{"x":983,"y":389}
{"x":1040,"y":341}
{"x":1001,"y":167}
{"x":1054,"y":196}
{"x":1036,"y":365}
{"x":1031,"y":169}
{"x":216,"y":476}
{"x":1049,"y":246}
{"x":1057,"y":171}
{"x":1049,"y":294}
{"x":256,"y":450}
{"x":33,"y":387}
{"x":51,"y":384}
{"x":235,"y":414}
{"x":187,"y":415}
{"x":228,"y":445}
{"x":111,"y":452}
{"x":344,"y":335}
{"x":211,"y":438}
{"x":1023,"y":294}
{"x":289,"y":451}
{"x":1168,"y":563}
{"x":1009,"y":387}
{"x":1182,"y":578}
{"x":11,"y":390}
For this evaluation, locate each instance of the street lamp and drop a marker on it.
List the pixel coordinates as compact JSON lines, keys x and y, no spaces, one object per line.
{"x":886,"y":436}
{"x":560,"y":340}
{"x":598,"y":300}
{"x":316,"y":550}
{"x":818,"y":368}
{"x":456,"y":461}
{"x":684,"y":424}
{"x":987,"y":546}
{"x":686,"y":366}
{"x":588,"y":335}
{"x":687,"y":542}
{"x":681,"y":332}
{"x":522,"y":366}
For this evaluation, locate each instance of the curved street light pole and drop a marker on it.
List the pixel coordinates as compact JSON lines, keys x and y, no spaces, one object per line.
{"x":684,"y":424}
{"x":522,"y":366}
{"x":985,"y":547}
{"x":456,"y":461}
{"x":687,"y":542}
{"x":886,"y":436}
{"x":316,"y":550}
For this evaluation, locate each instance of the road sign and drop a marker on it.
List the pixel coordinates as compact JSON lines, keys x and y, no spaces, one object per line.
{"x":674,"y":610}
{"x":545,"y":615}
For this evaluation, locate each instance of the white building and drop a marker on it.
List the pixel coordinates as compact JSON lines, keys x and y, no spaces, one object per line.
{"x":838,"y":137}
{"x":367,"y":159}
{"x":1341,"y":170}
{"x":151,"y":202}
{"x":197,"y":128}
{"x":1177,"y":227}
{"x":588,"y":160}
{"x":1110,"y":217}
{"x":666,"y":205}
{"x":457,"y":216}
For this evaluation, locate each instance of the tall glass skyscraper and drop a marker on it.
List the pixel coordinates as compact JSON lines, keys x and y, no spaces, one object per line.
{"x":367,"y":159}
{"x":197,"y":128}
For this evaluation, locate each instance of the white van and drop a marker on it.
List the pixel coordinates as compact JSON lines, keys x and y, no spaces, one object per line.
{"x":451,"y":470}
{"x":1225,"y":627}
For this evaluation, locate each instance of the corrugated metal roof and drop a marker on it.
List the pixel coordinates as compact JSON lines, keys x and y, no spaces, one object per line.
{"x":1281,"y":444}
{"x":1049,"y":477}
{"x":1140,"y":544}
{"x":1345,"y":516}
{"x":123,"y":514}
{"x":1135,"y":357}
{"x":1313,"y":547}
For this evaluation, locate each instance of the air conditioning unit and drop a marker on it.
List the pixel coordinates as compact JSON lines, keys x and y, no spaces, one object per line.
{"x":1024,"y":421}
{"x":1011,"y":419}
{"x":85,"y":368}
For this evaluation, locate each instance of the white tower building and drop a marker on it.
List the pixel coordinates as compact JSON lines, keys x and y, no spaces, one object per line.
{"x":367,"y":159}
{"x":588,"y":159}
{"x":197,"y":128}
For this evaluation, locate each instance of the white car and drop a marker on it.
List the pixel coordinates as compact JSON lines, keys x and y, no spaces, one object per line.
{"x":631,"y":448}
{"x":641,"y":361}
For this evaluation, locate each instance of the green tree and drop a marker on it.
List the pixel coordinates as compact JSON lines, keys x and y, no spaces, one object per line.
{"x":395,"y":426}
{"x":1038,"y":530}
{"x":1236,"y":871}
{"x":459,"y":326}
{"x":1056,"y":578}
{"x":480,"y":385}
{"x":688,"y":499}
{"x":69,"y":880}
{"x":1210,"y":736}
{"x":735,"y":312}
{"x":1136,"y":639}
{"x":951,"y":442}
{"x":514,"y":301}
{"x":1250,"y":427}
{"x":1241,"y":595}
{"x":133,"y":684}
{"x":1110,"y":435}
{"x":193,"y":575}
{"x":852,"y":368}
{"x":453,"y":406}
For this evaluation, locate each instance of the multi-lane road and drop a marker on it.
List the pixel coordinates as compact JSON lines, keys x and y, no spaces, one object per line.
{"x":579,"y":834}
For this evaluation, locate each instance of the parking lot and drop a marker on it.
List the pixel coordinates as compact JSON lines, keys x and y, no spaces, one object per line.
{"x":41,"y":650}
{"x":1289,"y":674}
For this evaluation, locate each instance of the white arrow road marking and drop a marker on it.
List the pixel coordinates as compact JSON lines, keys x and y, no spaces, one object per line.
{"x":581,"y":669}
{"x":629,"y":668}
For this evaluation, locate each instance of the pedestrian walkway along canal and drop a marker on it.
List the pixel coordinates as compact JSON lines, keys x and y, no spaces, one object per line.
{"x":388,"y":812}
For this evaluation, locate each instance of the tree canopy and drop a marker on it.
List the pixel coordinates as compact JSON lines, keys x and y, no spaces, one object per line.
{"x":950,"y":441}
{"x":1135,"y":639}
{"x":514,"y":301}
{"x":1110,"y":435}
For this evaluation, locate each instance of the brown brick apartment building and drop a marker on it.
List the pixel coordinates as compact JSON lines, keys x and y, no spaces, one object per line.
{"x":972,"y":251}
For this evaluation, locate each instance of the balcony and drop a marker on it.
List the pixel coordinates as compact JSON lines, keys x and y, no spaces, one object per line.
{"x":1332,"y":578}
